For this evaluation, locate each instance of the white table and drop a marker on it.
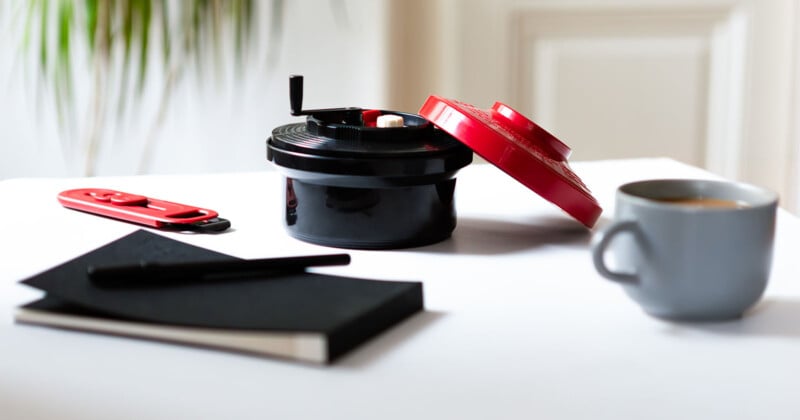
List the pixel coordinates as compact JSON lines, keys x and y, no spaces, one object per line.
{"x":518,"y":324}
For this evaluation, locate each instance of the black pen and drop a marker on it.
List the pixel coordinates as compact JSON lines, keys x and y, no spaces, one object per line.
{"x":146,"y":274}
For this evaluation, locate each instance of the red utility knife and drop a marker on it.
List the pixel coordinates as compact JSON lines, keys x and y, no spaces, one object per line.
{"x":143,"y":210}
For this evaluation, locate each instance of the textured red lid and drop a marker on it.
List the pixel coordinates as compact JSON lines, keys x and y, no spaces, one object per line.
{"x":519,"y":147}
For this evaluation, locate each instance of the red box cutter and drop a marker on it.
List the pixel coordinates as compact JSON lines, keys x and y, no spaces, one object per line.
{"x":140,"y":209}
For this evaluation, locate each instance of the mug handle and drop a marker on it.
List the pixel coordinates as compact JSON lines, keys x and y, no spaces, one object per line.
{"x":600,"y":242}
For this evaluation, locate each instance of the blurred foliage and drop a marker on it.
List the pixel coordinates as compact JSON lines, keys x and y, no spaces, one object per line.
{"x":126,"y":40}
{"x":185,"y":31}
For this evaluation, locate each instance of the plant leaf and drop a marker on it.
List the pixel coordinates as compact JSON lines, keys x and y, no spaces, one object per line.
{"x":166,"y":35}
{"x":43,"y":25}
{"x":91,"y":23}
{"x":146,"y":15}
{"x":63,"y":72}
{"x":127,"y":18}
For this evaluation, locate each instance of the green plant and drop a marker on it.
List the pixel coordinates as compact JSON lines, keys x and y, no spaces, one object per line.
{"x":123,"y":41}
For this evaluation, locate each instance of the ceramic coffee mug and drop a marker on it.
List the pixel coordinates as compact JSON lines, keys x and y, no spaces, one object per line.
{"x":689,"y":250}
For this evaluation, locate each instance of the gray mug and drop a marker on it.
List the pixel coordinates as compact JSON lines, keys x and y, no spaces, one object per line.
{"x":693,"y":250}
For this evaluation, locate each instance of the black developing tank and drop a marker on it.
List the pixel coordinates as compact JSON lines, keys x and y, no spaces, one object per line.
{"x":366,"y":179}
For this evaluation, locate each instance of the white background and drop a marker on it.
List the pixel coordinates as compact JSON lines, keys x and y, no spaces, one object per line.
{"x":220,"y":125}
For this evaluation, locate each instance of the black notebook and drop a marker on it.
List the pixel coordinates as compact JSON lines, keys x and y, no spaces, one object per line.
{"x":304,"y":316}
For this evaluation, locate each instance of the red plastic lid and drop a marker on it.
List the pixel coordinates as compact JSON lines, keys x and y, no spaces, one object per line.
{"x":519,"y":147}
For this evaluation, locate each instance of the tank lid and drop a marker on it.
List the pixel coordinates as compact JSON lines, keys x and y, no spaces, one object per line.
{"x":521,"y":148}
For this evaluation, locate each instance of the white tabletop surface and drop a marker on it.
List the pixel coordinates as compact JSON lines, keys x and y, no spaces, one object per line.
{"x":518,"y":325}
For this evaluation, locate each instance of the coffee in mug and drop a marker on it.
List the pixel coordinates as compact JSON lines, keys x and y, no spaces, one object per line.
{"x":690,"y":250}
{"x":704,"y":202}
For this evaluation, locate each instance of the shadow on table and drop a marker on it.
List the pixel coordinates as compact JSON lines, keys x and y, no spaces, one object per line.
{"x":491,"y":236}
{"x":772,"y":317}
{"x":389,"y":341}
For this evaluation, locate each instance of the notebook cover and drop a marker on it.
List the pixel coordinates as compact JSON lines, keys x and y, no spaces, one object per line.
{"x":346,"y":310}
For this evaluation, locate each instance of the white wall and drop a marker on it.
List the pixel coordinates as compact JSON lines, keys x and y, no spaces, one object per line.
{"x":709,"y":82}
{"x":207,"y":129}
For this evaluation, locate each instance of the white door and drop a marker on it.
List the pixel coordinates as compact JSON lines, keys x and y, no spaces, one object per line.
{"x":709,"y":82}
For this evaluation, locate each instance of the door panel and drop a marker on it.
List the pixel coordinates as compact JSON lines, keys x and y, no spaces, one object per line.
{"x":620,"y":97}
{"x":706,"y":82}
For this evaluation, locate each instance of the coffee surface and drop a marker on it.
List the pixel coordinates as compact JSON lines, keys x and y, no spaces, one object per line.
{"x":704,"y":202}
